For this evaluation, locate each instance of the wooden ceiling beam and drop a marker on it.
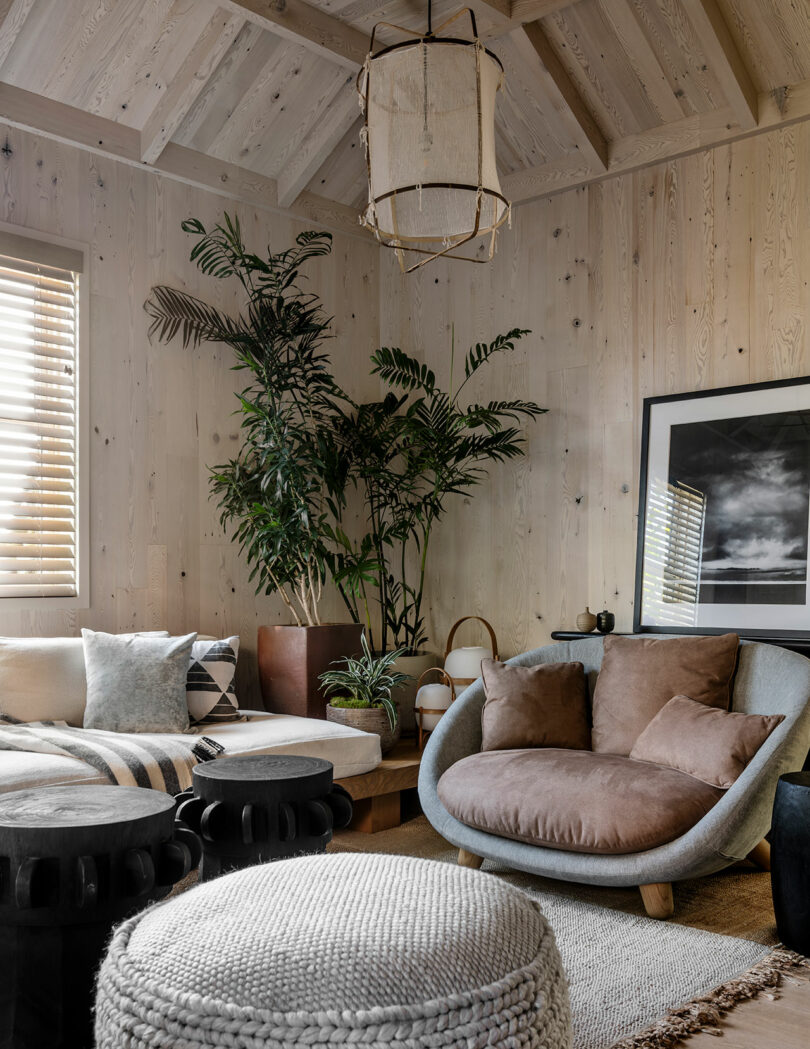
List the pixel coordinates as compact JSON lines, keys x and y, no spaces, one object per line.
{"x":724,"y":59}
{"x":531,"y":10}
{"x":13,"y":14}
{"x":305,"y":25}
{"x":321,"y":140}
{"x":185,"y":87}
{"x":75,"y":127}
{"x":695,"y":134}
{"x":508,"y":15}
{"x":590,"y":140}
{"x":622,"y":16}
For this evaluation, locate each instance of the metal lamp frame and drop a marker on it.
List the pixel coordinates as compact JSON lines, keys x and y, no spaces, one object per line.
{"x":394,"y":240}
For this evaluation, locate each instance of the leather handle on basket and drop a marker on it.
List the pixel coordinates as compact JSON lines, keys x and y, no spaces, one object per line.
{"x":447,"y":680}
{"x":464,"y":619}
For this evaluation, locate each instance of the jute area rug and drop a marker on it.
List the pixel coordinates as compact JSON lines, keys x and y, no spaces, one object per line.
{"x":637,"y":983}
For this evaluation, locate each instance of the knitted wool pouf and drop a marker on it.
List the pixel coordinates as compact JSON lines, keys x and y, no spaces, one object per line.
{"x":346,"y":949}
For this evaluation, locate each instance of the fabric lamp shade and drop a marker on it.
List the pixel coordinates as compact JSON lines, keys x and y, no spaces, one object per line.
{"x":430,"y":144}
{"x":464,"y":664}
{"x":433,"y":696}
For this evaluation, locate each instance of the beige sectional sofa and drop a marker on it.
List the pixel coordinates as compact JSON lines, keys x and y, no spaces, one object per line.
{"x":43,"y":679}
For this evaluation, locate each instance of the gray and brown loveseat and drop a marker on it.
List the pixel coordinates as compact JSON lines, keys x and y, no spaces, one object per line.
{"x":603,"y":818}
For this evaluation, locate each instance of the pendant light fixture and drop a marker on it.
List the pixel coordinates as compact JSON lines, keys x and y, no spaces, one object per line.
{"x":429,"y":130}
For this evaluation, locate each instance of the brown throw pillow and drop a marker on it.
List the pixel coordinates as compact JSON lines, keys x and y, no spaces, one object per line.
{"x":640,"y":675}
{"x":540,"y":706}
{"x":709,"y":744}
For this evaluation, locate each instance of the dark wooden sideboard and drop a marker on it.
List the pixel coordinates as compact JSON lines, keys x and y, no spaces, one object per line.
{"x":795,"y":644}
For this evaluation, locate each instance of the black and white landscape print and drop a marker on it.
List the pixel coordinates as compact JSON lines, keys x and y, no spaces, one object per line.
{"x":755,"y":475}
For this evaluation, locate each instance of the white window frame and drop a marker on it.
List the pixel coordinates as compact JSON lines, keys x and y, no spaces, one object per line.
{"x":82,"y":597}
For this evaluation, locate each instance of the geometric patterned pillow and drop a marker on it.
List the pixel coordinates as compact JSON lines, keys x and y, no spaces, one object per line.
{"x":209,"y":685}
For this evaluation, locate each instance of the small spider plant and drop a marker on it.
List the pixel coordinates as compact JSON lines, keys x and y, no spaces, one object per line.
{"x":366,"y":681}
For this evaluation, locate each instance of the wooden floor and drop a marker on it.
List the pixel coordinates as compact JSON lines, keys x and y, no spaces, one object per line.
{"x":764,"y":1023}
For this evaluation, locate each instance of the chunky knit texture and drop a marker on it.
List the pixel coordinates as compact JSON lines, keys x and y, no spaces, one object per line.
{"x":332,"y":950}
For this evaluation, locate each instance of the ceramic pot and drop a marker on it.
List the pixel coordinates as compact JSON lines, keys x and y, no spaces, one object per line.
{"x":370,"y":719}
{"x":405,"y":694}
{"x":605,"y":622}
{"x":586,"y":621}
{"x":292,"y":657}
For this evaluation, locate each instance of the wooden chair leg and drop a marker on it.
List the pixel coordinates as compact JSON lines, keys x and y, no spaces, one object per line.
{"x":469,"y":859}
{"x":761,"y":855}
{"x":657,"y":899}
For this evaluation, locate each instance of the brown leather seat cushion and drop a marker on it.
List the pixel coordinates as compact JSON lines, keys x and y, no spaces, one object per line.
{"x":574,"y":799}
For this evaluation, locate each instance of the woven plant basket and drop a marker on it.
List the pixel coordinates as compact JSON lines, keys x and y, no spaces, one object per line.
{"x":370,"y":719}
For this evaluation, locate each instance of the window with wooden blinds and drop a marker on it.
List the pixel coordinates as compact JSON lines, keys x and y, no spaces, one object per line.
{"x":39,"y":409}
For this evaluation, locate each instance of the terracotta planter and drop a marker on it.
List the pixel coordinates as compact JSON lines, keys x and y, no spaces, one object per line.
{"x":370,"y":719}
{"x":292,"y":657}
{"x":405,"y":694}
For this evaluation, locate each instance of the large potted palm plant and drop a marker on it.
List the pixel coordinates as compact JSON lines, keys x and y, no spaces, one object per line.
{"x":411,"y":452}
{"x":282,"y":496}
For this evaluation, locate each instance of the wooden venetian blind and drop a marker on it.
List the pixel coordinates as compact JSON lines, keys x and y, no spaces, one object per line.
{"x":39,"y":342}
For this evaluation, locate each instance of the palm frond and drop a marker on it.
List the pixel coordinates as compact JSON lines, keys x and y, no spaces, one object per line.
{"x":482,"y":351}
{"x":174,"y":311}
{"x":398,"y":368}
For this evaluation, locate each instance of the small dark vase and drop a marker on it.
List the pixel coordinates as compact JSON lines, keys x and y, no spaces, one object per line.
{"x":605,"y":622}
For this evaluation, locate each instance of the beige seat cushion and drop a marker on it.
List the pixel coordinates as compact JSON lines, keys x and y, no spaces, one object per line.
{"x":574,"y":799}
{"x":640,"y":675}
{"x":21,"y":771}
{"x":351,"y":752}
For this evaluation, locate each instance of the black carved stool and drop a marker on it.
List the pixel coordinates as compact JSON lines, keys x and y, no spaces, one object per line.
{"x":266,"y":807}
{"x":790,"y":860}
{"x":74,"y":862}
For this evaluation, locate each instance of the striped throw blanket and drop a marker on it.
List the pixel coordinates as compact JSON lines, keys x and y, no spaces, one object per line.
{"x":161,"y":761}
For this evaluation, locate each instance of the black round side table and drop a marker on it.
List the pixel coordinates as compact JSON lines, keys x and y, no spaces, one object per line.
{"x":74,"y":862}
{"x":790,"y":860}
{"x":264,"y":807}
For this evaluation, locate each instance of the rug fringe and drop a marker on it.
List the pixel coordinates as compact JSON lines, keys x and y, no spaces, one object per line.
{"x":706,"y":1013}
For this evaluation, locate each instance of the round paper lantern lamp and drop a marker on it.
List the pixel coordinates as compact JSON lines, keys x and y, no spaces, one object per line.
{"x":464,"y":664}
{"x":432,"y":700}
{"x":429,"y":108}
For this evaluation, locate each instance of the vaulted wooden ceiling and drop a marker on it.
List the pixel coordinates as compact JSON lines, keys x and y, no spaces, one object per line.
{"x":259,"y":95}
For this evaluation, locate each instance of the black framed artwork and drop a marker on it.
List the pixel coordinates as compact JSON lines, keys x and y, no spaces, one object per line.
{"x":724,"y":512}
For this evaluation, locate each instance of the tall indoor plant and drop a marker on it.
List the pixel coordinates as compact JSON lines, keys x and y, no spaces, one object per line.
{"x":410,"y":452}
{"x":283,"y":494}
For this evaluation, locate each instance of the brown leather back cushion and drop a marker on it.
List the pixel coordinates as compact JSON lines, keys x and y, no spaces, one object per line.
{"x":714,"y":745}
{"x":574,"y":799}
{"x":540,"y":706}
{"x":640,"y":675}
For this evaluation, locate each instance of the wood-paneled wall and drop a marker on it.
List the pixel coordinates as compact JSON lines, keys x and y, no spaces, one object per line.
{"x":685,"y":276}
{"x":160,"y":415}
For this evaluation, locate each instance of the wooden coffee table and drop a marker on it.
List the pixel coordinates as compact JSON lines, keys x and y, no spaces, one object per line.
{"x":378,"y":795}
{"x":262,"y":807}
{"x":74,"y":862}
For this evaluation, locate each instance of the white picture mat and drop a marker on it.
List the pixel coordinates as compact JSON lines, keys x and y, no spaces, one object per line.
{"x":663,"y":416}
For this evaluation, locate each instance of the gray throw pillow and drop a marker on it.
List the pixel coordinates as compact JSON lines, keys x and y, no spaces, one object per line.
{"x":136,"y":683}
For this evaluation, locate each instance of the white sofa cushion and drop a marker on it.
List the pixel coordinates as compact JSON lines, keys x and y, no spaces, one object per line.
{"x":43,"y":679}
{"x":350,"y":751}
